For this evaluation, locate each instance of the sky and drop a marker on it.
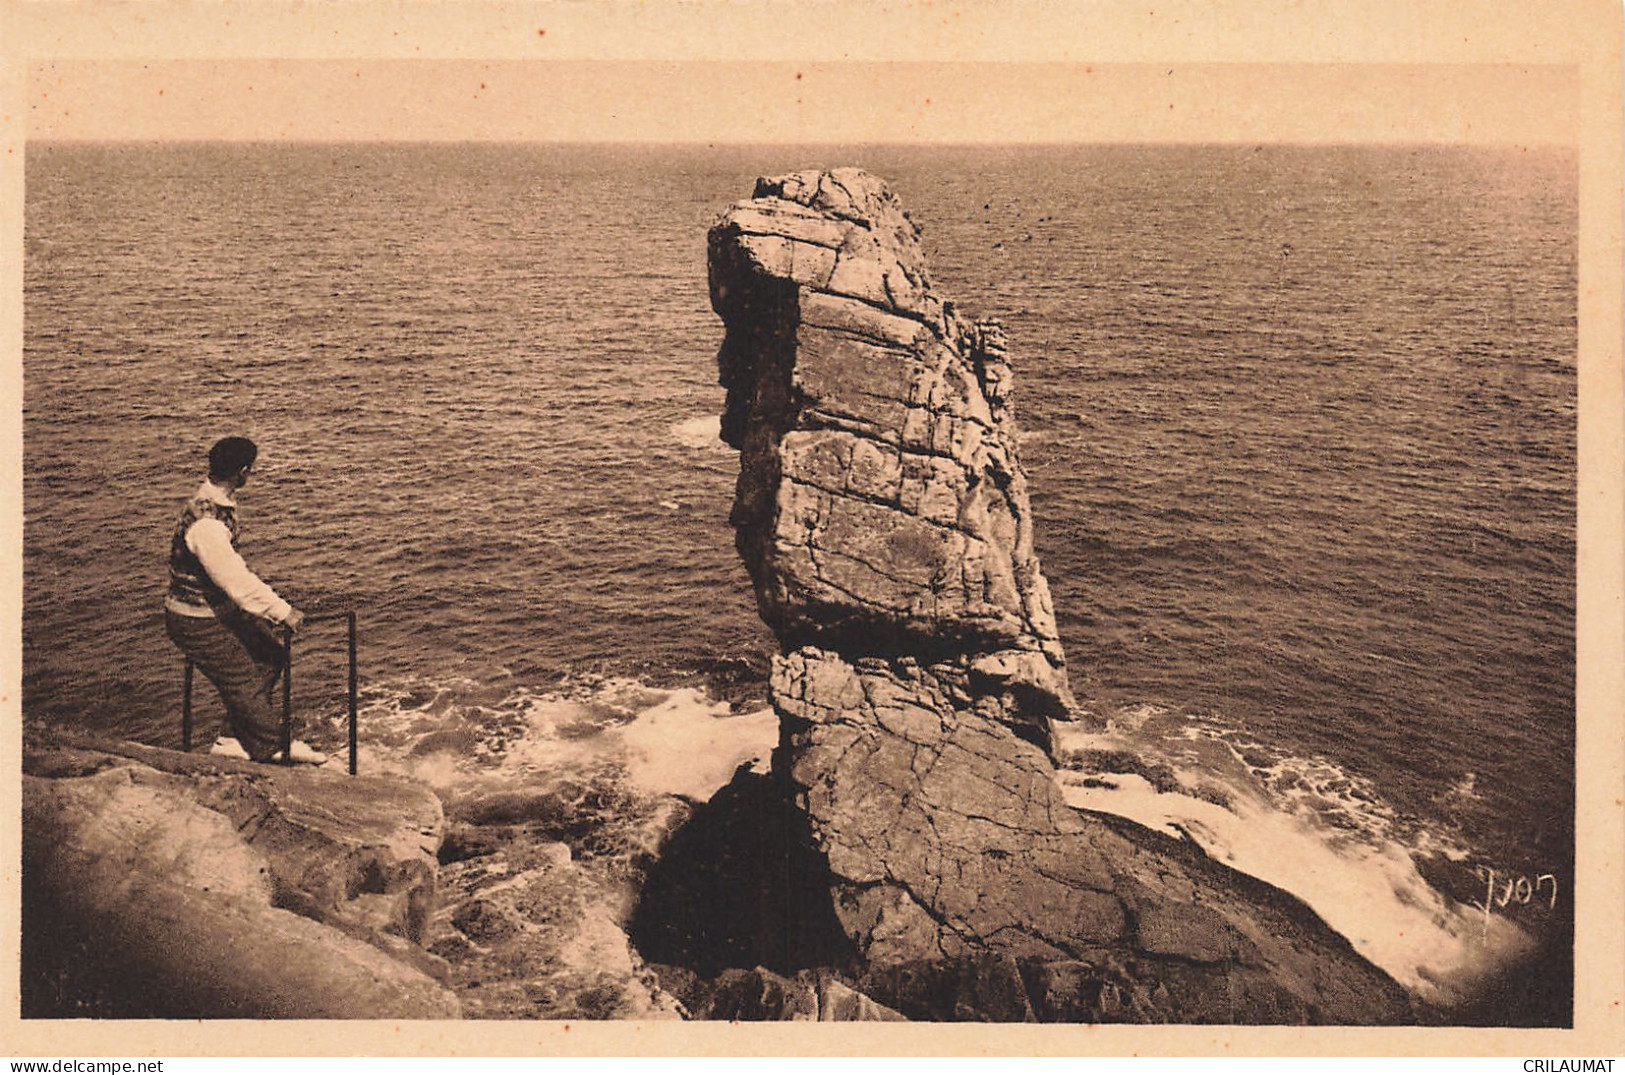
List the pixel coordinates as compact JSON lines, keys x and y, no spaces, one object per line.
{"x":836,"y":101}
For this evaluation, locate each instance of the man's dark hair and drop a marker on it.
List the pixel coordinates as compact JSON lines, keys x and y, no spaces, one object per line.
{"x":230,"y":455}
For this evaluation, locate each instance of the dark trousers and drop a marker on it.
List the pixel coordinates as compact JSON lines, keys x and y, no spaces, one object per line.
{"x":243,"y":662}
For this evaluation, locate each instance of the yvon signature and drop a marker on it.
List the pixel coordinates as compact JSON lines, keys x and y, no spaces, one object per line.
{"x":1521,"y":889}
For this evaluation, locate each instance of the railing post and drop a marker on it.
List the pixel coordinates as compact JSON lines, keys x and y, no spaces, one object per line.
{"x":186,"y":709}
{"x":287,"y":697}
{"x":351,"y":618}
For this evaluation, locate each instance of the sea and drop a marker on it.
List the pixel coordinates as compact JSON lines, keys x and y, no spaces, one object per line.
{"x":1299,"y":424}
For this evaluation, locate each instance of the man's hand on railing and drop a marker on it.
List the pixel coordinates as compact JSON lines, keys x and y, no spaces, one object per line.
{"x":294,"y":621}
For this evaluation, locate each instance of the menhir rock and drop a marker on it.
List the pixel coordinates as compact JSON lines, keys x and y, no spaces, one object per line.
{"x":881,"y":507}
{"x":882,"y":513}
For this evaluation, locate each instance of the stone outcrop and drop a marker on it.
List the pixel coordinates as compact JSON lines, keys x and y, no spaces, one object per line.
{"x":529,"y":933}
{"x":882,"y":513}
{"x":160,"y":884}
{"x":536,"y":889}
{"x":881,"y":507}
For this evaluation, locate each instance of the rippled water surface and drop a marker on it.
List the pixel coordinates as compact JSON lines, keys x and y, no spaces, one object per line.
{"x":1300,"y":428}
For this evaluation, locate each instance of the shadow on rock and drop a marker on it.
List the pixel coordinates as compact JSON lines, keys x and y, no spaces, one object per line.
{"x":737,"y":887}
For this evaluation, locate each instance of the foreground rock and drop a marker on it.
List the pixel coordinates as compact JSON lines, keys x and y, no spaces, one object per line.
{"x":759,"y":995}
{"x":166,"y":885}
{"x":536,"y":889}
{"x":882,"y":513}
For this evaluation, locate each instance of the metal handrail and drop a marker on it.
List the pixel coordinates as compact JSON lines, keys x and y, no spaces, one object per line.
{"x":287,"y":689}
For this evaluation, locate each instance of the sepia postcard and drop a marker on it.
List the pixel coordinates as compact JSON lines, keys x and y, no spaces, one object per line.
{"x":661,"y":528}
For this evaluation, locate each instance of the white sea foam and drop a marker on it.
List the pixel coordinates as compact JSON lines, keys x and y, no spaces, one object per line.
{"x":703,"y":431}
{"x":1300,"y":824}
{"x":1306,"y":828}
{"x":690,"y":745}
{"x":459,"y":737}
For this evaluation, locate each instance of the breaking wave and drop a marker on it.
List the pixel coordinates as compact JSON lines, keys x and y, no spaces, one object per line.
{"x":1303,"y":825}
{"x":703,"y":431}
{"x":1299,"y":824}
{"x":462,"y":737}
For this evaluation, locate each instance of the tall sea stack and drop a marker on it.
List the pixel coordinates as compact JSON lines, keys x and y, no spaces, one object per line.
{"x":882,"y":513}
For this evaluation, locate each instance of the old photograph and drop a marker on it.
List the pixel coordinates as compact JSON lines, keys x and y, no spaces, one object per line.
{"x":579,"y":540}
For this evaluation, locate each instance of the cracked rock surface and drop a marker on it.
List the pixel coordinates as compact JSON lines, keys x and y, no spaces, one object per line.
{"x":158,"y":884}
{"x":883,"y":516}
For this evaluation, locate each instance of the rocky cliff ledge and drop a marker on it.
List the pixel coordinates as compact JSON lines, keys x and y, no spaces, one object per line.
{"x":883,"y":516}
{"x":165,"y":885}
{"x":158,"y":884}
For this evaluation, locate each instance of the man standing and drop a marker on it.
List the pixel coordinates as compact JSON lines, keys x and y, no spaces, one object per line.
{"x":224,"y":617}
